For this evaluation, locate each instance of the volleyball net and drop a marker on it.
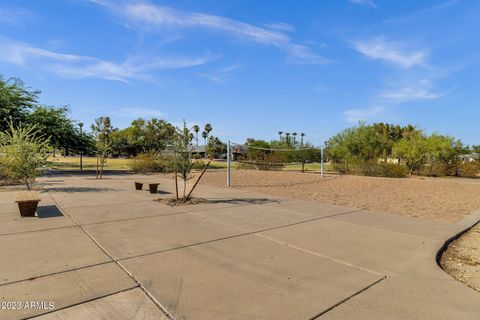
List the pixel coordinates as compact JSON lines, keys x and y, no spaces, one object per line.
{"x":298,"y":158}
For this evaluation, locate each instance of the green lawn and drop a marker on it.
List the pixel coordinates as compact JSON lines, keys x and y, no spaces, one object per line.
{"x":89,"y":163}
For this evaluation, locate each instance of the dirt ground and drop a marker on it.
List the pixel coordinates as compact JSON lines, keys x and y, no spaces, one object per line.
{"x":462,"y":258}
{"x":448,"y":199}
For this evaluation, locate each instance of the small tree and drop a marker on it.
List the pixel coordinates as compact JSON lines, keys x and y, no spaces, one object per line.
{"x":412,"y":150}
{"x":102,"y":128}
{"x":23,"y":153}
{"x":181,"y":160}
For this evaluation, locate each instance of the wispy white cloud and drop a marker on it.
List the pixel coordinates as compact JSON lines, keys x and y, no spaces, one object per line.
{"x":221,"y":75}
{"x":156,"y":17}
{"x":81,"y":66}
{"x":280,"y":26}
{"x":368,"y":3}
{"x":423,"y":12}
{"x":421,"y":90}
{"x":14,"y":16}
{"x":393,"y":52}
{"x":375,"y":113}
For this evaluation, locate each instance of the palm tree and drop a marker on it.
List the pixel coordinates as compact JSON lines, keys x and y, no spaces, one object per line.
{"x":205,"y":136}
{"x":287,"y":138}
{"x":196,"y":128}
{"x":208,"y":128}
{"x":280,"y":135}
{"x":301,"y":138}
{"x":294,"y":134}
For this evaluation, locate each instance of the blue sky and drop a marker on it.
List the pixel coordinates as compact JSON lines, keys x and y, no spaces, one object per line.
{"x":252,"y":68}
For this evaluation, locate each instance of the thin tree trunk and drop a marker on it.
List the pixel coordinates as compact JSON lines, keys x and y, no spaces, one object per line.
{"x":28,"y":185}
{"x":102,"y":164}
{"x":195,"y":184}
{"x":176,"y":185}
{"x":184,"y":188}
{"x":96,"y":171}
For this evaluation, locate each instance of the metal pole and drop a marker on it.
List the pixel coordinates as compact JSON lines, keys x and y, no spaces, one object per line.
{"x":322,"y":163}
{"x":228,"y":164}
{"x":81,"y":147}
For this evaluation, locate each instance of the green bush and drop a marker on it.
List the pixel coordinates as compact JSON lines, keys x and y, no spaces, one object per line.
{"x":340,"y":167}
{"x":434,"y":170}
{"x":469,"y":170}
{"x":260,"y":166}
{"x":149,"y":163}
{"x":23,"y":153}
{"x":199,"y":164}
{"x":388,"y":170}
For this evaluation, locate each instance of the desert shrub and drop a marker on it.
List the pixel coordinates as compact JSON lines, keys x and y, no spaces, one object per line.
{"x":469,"y":170}
{"x":23,"y":153}
{"x":264,"y":166}
{"x":199,"y":165}
{"x":434,"y":170}
{"x":340,"y":167}
{"x":149,"y":163}
{"x":388,"y":170}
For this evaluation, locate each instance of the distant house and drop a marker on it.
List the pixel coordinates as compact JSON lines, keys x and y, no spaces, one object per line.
{"x":199,"y":152}
{"x":238,"y":151}
{"x":470,"y":157}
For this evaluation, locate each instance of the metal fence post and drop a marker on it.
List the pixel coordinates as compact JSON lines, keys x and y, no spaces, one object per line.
{"x":228,"y":164}
{"x":322,"y":162}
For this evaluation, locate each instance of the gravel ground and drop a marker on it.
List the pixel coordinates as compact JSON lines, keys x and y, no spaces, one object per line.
{"x":447,"y":199}
{"x":462,"y":258}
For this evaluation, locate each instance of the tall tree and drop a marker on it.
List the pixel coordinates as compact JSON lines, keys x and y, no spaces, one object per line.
{"x":205,"y":136}
{"x":294,"y":134}
{"x":196,"y":129}
{"x":208,"y":128}
{"x":54,"y":123}
{"x":302,"y":136}
{"x":280,"y":133}
{"x":16,"y":100}
{"x":287,"y":139}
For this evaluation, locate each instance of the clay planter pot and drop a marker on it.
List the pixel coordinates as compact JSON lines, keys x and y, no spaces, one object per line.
{"x":153,"y":187}
{"x":28,"y":209}
{"x":138,"y":186}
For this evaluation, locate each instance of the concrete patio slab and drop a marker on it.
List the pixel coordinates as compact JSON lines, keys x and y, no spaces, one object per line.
{"x":201,"y":262}
{"x":413,"y":298}
{"x":63,"y":289}
{"x":141,"y":236}
{"x":312,"y":208}
{"x":382,"y":251}
{"x":255,"y":217}
{"x":81,"y":196}
{"x":120,"y":211}
{"x":427,"y":229}
{"x":48,"y":216}
{"x":246,"y":277}
{"x":38,"y":253}
{"x":129,"y":305}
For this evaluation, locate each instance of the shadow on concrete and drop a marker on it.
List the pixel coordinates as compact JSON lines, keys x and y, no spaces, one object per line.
{"x":49,"y":211}
{"x":81,"y":189}
{"x":239,"y":201}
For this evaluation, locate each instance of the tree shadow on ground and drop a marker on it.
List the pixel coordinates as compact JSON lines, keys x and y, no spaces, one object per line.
{"x":80,"y":189}
{"x":49,"y":211}
{"x":239,"y":201}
